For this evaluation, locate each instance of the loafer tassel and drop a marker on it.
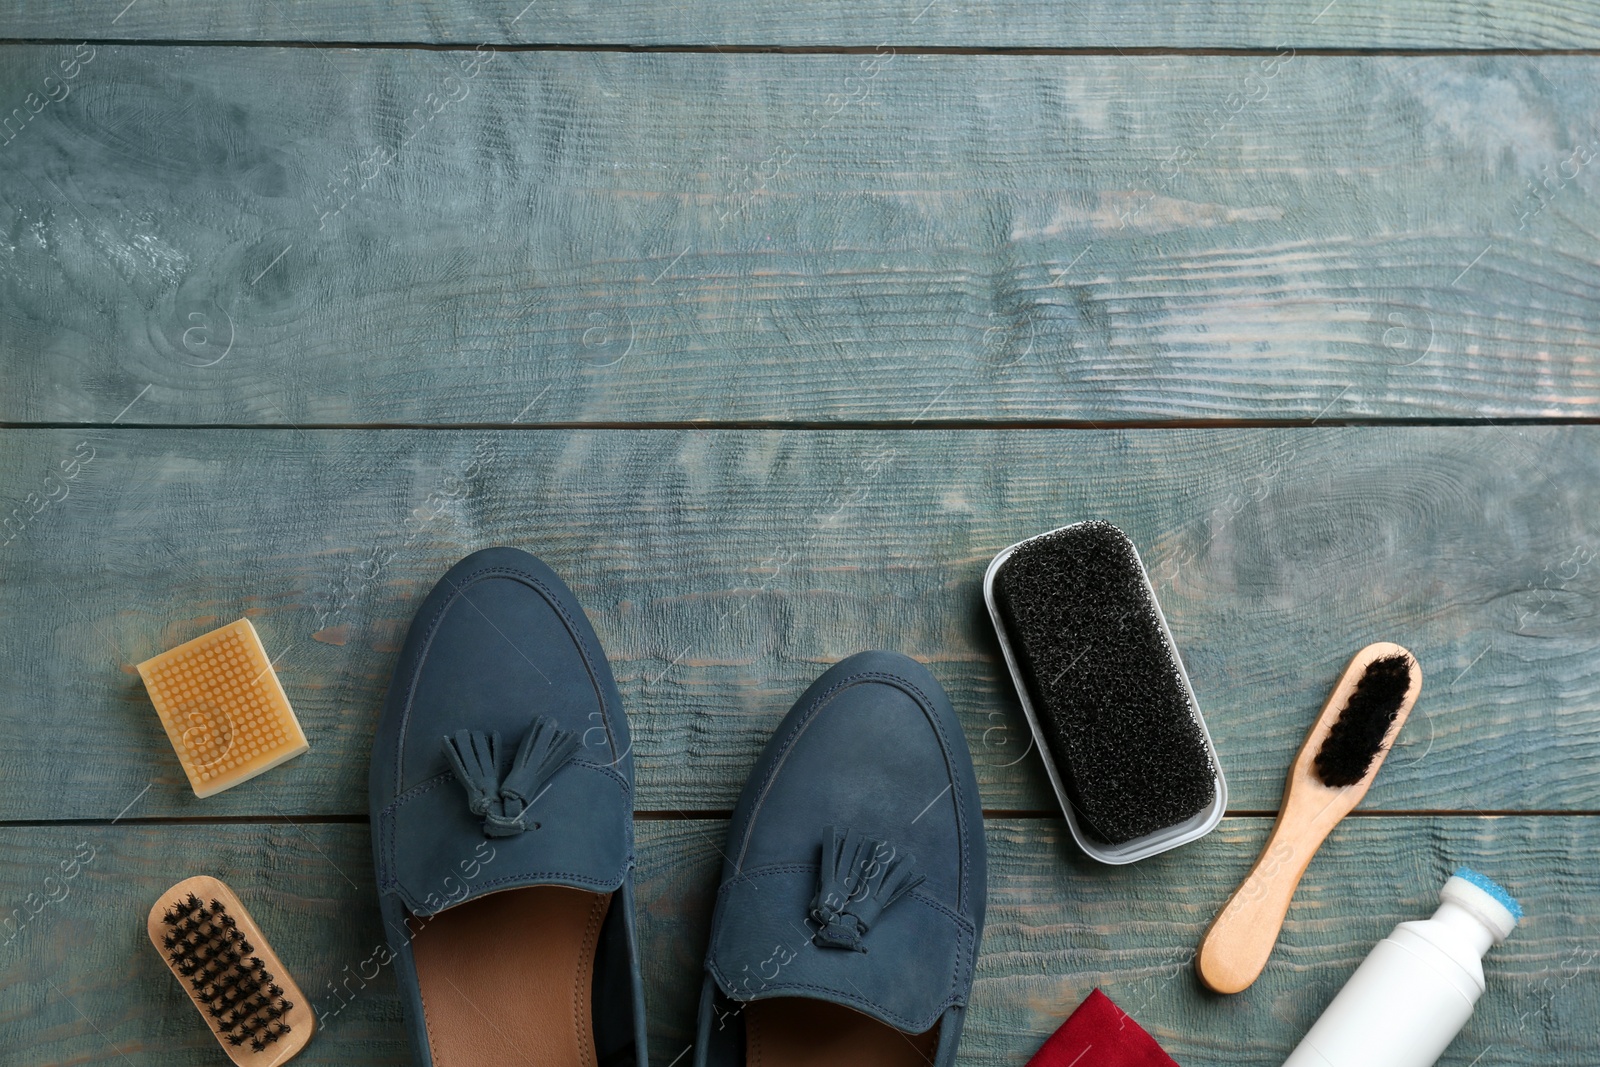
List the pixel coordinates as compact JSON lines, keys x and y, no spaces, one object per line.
{"x":859,"y":879}
{"x":504,"y":802}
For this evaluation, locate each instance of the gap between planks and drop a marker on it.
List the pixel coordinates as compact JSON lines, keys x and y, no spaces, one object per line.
{"x":726,"y":814}
{"x":795,"y":50}
{"x":885,"y":425}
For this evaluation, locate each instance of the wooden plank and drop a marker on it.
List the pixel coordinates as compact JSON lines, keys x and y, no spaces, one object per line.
{"x":724,"y":570}
{"x":81,"y":984}
{"x":1422,"y":24}
{"x":302,"y":236}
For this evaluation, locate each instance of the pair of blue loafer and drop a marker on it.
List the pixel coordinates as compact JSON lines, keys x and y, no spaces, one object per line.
{"x":852,"y":892}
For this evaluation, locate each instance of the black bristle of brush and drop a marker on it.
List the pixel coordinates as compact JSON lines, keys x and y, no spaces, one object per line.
{"x":1357,"y":734}
{"x":1106,"y":689}
{"x":240,"y":995}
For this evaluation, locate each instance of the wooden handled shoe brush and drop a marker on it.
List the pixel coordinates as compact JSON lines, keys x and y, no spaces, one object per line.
{"x":1336,"y":765}
{"x":218,"y":953}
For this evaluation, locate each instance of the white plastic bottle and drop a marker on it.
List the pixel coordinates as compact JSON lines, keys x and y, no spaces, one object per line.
{"x":1414,"y":993}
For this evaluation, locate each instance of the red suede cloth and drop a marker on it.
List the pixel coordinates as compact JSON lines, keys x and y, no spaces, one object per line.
{"x":1100,"y":1034}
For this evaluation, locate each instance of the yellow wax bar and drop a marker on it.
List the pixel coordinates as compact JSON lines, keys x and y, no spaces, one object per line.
{"x":224,"y":710}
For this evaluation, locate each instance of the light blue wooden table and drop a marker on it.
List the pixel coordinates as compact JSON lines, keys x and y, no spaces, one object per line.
{"x":767,"y":326}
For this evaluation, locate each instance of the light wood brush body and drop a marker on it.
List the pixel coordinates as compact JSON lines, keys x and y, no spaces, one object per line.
{"x":1333,"y":771}
{"x":223,"y":961}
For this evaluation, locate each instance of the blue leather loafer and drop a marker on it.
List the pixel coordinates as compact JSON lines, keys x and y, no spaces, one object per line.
{"x":501,"y":794}
{"x":852,"y":896}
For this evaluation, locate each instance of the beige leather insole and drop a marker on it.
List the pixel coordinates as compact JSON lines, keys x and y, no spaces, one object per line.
{"x":506,"y":978}
{"x":791,"y":1032}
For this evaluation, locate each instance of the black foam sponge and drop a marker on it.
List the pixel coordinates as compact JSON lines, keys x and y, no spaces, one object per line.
{"x":1104,"y":682}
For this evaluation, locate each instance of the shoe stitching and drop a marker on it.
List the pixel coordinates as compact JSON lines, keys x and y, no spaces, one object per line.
{"x":586,"y":950}
{"x":388,"y":874}
{"x":433,"y":1056}
{"x":796,"y":731}
{"x":811,"y":868}
{"x":929,"y":712}
{"x":458,"y":590}
{"x":459,"y":587}
{"x":904,"y":1022}
{"x":965,"y":961}
{"x":753,"y":1037}
{"x":938,"y":905}
{"x":964,"y":934}
{"x":391,"y":882}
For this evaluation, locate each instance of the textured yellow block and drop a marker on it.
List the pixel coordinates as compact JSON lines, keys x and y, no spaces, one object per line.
{"x":222,"y":705}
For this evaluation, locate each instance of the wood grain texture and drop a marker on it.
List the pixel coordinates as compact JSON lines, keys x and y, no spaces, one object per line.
{"x":725,"y":570}
{"x":1428,"y":24}
{"x":82,"y":985}
{"x":299,"y":236}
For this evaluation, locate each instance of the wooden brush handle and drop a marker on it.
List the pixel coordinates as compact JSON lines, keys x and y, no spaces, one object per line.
{"x":1236,"y":948}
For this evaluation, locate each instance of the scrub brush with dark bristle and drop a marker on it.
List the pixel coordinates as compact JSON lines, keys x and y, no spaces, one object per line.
{"x":215,"y":949}
{"x":1336,"y":765}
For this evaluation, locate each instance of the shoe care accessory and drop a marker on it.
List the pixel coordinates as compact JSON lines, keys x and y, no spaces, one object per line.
{"x":224,"y":710}
{"x":222,"y":960}
{"x":1417,"y":989}
{"x":1104,"y":692}
{"x":1100,"y":1034}
{"x":1335,"y":767}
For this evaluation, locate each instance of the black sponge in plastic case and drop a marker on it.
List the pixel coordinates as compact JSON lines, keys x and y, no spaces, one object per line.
{"x":1104,"y":692}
